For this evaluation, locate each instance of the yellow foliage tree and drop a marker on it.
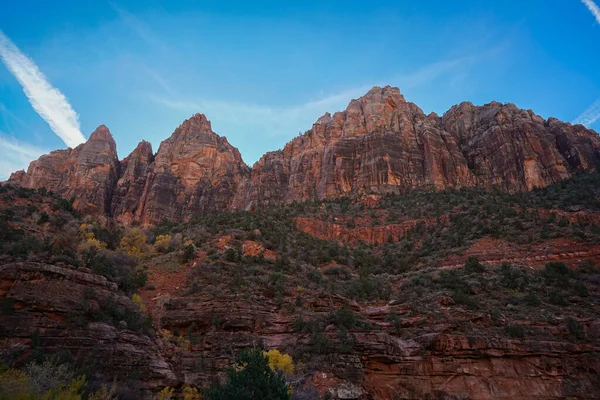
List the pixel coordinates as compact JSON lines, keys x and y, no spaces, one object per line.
{"x":162,"y":243}
{"x":134,"y":243}
{"x":89,"y":239}
{"x":137,"y":300}
{"x":280,"y":361}
{"x":167,"y":393}
{"x":104,"y":393}
{"x":190,"y":393}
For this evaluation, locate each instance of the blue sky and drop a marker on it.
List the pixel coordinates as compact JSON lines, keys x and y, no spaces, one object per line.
{"x":264,"y":71}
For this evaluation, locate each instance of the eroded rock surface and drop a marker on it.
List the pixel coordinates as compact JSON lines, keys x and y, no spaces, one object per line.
{"x":55,"y":304}
{"x":380,"y":144}
{"x":87,"y":173}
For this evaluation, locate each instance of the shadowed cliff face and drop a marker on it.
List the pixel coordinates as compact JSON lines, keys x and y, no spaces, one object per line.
{"x":516,"y":149}
{"x":379,"y":144}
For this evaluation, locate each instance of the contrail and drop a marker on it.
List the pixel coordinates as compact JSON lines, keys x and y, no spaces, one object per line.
{"x":45,"y":99}
{"x":589,"y":116}
{"x":593,"y":7}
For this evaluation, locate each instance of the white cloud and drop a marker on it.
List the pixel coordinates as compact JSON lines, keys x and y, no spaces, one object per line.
{"x":590,"y":115}
{"x":45,"y":99}
{"x":593,"y":7}
{"x":16,"y":155}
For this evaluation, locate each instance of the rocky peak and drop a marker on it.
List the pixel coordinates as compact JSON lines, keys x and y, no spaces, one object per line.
{"x":379,"y":109}
{"x":102,"y":133}
{"x":142,"y":150}
{"x":197,"y":124}
{"x":195,"y":143}
{"x":194,"y":170}
{"x":380,"y":143}
{"x":101,"y":141}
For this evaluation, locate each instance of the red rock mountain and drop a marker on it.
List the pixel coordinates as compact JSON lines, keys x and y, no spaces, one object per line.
{"x":87,"y":173}
{"x":381,"y":143}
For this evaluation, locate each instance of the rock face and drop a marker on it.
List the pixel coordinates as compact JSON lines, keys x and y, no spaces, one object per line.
{"x":342,"y":234}
{"x":130,"y":187}
{"x":87,"y":173}
{"x":516,"y":149}
{"x":381,"y":143}
{"x":50,"y":302}
{"x":383,"y":366}
{"x":195,"y":171}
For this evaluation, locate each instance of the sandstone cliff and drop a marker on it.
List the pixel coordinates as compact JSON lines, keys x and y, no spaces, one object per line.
{"x":194,"y":171}
{"x":54,"y":304}
{"x":87,"y":173}
{"x":380,"y":144}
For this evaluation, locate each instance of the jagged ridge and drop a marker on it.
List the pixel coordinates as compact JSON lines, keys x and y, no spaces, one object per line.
{"x":381,"y":143}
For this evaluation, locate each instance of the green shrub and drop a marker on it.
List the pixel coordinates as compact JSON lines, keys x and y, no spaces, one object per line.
{"x":473,"y":266}
{"x":513,"y":277}
{"x":532,"y":300}
{"x":556,"y":297}
{"x":44,"y":217}
{"x":250,"y":379}
{"x":575,"y":328}
{"x":580,"y":289}
{"x":515,"y":331}
{"x":189,"y":252}
{"x":556,"y":273}
{"x":232,"y":255}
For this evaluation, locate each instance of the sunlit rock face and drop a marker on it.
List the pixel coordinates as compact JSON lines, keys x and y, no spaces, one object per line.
{"x":87,"y":173}
{"x":194,"y":171}
{"x":380,"y":144}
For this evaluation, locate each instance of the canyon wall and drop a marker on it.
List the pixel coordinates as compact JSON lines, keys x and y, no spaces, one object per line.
{"x":380,"y":144}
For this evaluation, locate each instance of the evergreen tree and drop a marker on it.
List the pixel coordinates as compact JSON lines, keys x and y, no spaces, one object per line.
{"x":251,"y":379}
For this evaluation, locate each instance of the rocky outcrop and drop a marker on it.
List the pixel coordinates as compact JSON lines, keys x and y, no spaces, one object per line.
{"x":517,"y":150}
{"x":343,"y":234}
{"x":378,"y":364}
{"x":87,"y":173}
{"x":479,"y":368}
{"x":130,"y":186}
{"x":380,"y":144}
{"x":194,"y":171}
{"x":56,"y":306}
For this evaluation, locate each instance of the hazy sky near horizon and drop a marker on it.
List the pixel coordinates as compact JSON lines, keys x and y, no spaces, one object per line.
{"x":264,"y":71}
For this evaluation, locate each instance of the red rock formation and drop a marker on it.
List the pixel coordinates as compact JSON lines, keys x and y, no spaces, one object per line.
{"x":194,"y":171}
{"x":88,"y":172}
{"x":382,"y":366}
{"x":369,"y":234}
{"x":380,"y":144}
{"x":51,"y":301}
{"x":130,"y":187}
{"x":516,"y":149}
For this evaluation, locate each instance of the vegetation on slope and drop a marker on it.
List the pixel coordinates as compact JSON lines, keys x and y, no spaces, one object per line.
{"x":297,"y":272}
